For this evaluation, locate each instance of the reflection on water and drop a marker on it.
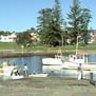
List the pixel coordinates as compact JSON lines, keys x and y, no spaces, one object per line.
{"x":34,"y":64}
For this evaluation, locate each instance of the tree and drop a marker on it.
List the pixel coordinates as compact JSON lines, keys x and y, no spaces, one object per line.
{"x":74,"y":20}
{"x":31,"y":30}
{"x":79,"y":19}
{"x":57,"y":23}
{"x":49,"y":25}
{"x":5,"y":33}
{"x":44,"y":27}
{"x":24,"y":39}
{"x":86,"y":16}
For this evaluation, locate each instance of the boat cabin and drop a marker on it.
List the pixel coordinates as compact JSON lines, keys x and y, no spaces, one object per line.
{"x":77,"y":59}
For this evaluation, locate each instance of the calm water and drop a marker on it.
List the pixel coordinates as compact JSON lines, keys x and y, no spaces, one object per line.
{"x":92,"y":58}
{"x":34,"y":64}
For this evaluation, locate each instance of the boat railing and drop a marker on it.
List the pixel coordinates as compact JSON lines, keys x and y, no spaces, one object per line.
{"x":58,"y":56}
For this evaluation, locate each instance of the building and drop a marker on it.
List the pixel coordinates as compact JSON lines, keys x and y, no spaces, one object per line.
{"x":92,"y":37}
{"x":8,"y":38}
{"x":35,"y":37}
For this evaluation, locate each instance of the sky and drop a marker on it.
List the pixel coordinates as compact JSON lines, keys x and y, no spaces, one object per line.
{"x":20,"y":15}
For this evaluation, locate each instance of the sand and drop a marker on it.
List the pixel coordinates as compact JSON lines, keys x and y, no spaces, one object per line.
{"x":46,"y":87}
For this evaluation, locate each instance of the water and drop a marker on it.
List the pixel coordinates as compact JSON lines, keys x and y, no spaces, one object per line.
{"x":92,"y":58}
{"x":34,"y":64}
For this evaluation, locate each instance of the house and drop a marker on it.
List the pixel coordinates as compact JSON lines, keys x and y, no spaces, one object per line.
{"x":92,"y":37}
{"x":35,"y":37}
{"x":8,"y":38}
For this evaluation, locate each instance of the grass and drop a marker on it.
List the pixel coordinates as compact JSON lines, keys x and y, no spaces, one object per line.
{"x":9,"y":46}
{"x":46,"y":87}
{"x":46,"y":49}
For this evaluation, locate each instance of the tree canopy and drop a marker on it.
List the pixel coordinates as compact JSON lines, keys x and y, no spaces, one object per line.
{"x":50,"y":25}
{"x":78,"y":19}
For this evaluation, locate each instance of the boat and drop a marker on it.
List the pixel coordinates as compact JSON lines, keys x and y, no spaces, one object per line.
{"x":73,"y":61}
{"x":38,"y":75}
{"x":7,"y":70}
{"x":16,"y":77}
{"x":57,"y":59}
{"x":53,"y":62}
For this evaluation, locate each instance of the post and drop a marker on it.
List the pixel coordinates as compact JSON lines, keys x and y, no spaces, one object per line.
{"x":91,"y":76}
{"x":77,"y":46}
{"x":62,"y":40}
{"x":22,"y":54}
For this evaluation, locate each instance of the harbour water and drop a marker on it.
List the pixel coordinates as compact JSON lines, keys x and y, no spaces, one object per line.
{"x":92,"y":58}
{"x":34,"y":64}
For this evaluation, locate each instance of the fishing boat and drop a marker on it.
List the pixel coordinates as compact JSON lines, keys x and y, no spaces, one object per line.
{"x":53,"y":62}
{"x":73,"y":61}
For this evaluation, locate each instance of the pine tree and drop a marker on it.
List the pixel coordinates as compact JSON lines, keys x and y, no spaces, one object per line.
{"x":79,"y":19}
{"x":86,"y":16}
{"x":49,"y":25}
{"x":44,"y":26}
{"x":57,"y":22}
{"x":74,"y":20}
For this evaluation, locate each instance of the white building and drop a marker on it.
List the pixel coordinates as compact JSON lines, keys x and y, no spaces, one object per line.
{"x":35,"y":37}
{"x":92,"y":38}
{"x":8,"y":38}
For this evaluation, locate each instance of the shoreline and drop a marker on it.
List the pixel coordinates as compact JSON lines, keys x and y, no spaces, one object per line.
{"x":8,"y":54}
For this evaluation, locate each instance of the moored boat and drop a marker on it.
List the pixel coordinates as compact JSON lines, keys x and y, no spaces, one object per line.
{"x":38,"y":75}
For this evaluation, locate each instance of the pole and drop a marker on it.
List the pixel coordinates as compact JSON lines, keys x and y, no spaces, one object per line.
{"x":22,"y":54}
{"x":62,"y":40}
{"x":77,"y":46}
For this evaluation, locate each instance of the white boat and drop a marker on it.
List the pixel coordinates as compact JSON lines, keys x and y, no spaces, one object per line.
{"x":73,"y":62}
{"x":53,"y":62}
{"x":6,"y":72}
{"x":16,"y":77}
{"x":38,"y":75}
{"x":57,"y":60}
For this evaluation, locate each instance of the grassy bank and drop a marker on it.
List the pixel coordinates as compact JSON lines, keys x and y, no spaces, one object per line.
{"x":46,"y":49}
{"x":46,"y":87}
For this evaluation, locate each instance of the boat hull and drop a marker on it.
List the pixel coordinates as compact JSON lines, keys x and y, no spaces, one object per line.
{"x":51,"y":61}
{"x":17,"y":77}
{"x":38,"y":75}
